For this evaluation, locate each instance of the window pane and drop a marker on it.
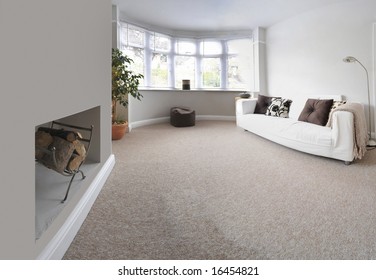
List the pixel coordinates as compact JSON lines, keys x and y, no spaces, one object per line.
{"x":211,"y":72}
{"x":135,"y":36}
{"x":186,"y":47}
{"x":137,"y":55}
{"x":124,"y":35}
{"x":160,"y":43}
{"x":210,"y":48}
{"x":240,"y":71}
{"x":184,"y":70}
{"x":131,"y":36}
{"x":159,"y":70}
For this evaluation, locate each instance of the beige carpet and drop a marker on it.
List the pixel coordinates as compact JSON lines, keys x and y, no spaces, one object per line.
{"x":214,"y":191}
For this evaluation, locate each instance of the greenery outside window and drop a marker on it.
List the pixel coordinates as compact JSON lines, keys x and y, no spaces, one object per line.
{"x":211,"y":73}
{"x":159,"y":70}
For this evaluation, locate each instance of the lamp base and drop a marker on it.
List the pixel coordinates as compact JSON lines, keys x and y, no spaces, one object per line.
{"x":371,"y":143}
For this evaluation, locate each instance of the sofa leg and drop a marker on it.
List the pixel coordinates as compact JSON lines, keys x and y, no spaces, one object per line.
{"x":347,"y":162}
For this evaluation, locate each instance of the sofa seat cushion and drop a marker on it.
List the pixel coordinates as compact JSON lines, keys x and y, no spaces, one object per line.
{"x":309,"y":133}
{"x":287,"y":129}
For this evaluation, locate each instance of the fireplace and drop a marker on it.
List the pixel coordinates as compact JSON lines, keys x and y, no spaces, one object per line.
{"x":71,"y":146}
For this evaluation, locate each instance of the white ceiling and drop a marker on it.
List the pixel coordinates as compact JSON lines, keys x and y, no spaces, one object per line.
{"x":214,"y":15}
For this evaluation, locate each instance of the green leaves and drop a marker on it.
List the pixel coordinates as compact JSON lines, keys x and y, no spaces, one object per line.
{"x":124,"y":80}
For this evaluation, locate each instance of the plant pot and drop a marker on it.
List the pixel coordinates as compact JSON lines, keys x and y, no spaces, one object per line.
{"x":118,"y":130}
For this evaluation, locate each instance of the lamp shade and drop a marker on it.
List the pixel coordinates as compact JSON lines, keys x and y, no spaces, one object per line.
{"x":349,"y":59}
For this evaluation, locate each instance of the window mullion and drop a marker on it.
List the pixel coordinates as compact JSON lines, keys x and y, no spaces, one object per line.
{"x":224,"y":66}
{"x":198,"y":76}
{"x":171,"y":64}
{"x":147,"y":60}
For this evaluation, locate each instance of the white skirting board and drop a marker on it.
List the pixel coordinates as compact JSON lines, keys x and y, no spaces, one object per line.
{"x":148,"y":122}
{"x":60,"y":243}
{"x":167,"y":119}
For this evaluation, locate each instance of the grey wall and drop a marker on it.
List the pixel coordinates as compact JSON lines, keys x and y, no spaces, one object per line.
{"x":157,"y":103}
{"x":55,"y":61}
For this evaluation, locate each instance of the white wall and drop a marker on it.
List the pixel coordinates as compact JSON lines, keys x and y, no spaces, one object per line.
{"x":55,"y":61}
{"x":304,"y":53}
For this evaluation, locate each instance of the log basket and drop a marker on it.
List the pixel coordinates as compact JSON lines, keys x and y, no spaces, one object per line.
{"x":65,"y":149}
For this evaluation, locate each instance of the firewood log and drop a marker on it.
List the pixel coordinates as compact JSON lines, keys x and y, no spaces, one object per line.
{"x":75,"y":162}
{"x":79,"y":148}
{"x":64,"y":151}
{"x":42,"y":140}
{"x":65,"y":134}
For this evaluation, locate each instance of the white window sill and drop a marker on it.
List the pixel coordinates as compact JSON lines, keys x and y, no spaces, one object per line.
{"x":194,"y":90}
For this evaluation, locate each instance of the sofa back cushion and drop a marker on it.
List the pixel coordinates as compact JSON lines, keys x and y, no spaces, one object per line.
{"x":316,"y":111}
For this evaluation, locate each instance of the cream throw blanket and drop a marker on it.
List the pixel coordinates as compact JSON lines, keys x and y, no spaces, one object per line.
{"x":360,"y":127}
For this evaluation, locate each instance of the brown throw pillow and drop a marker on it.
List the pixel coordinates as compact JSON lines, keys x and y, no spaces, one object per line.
{"x":262,"y":104}
{"x":316,"y":111}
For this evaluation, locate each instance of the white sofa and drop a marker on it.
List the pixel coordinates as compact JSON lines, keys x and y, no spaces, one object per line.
{"x":335,"y":142}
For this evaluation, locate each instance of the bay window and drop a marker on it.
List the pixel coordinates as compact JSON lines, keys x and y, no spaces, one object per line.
{"x":210,"y":63}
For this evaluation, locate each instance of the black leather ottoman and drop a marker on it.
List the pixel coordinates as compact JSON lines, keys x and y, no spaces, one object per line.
{"x":182,"y":116}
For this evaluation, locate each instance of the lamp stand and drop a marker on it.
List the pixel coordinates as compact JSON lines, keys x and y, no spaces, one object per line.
{"x":371,"y":142}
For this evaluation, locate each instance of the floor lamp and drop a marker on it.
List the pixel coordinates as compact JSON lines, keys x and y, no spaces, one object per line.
{"x":350,"y":59}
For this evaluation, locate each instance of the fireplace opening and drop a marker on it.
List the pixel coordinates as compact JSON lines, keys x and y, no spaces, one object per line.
{"x":66,"y":155}
{"x":63,"y":148}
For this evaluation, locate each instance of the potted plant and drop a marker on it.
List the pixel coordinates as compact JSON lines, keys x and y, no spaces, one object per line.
{"x":124,"y":82}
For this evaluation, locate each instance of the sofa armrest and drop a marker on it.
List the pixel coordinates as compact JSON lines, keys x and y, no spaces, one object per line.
{"x":245,"y":106}
{"x":343,"y":129}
